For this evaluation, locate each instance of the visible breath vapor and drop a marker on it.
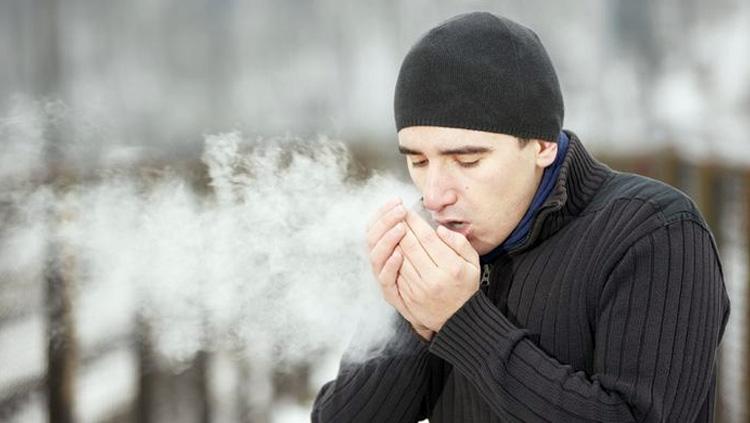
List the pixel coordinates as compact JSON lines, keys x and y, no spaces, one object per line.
{"x":270,"y":261}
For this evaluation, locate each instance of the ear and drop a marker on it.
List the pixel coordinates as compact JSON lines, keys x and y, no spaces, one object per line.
{"x":546,"y":154}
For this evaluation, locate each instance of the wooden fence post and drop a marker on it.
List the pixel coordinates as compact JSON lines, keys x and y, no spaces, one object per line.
{"x":61,"y":348}
{"x":292,"y":381}
{"x":745,"y":341}
{"x":201,"y":364}
{"x":710,"y":198}
{"x":61,"y":358}
{"x":147,"y":371}
{"x":669,"y":168}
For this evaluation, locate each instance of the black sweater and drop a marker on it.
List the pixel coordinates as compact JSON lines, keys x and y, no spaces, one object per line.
{"x":611,"y":310}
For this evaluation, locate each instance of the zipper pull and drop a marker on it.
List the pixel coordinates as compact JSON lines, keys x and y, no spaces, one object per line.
{"x":485,"y":281}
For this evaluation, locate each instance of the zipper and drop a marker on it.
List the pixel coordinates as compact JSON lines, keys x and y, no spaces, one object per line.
{"x":485,"y":281}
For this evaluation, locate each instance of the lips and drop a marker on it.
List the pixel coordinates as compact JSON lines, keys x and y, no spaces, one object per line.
{"x":459,"y":226}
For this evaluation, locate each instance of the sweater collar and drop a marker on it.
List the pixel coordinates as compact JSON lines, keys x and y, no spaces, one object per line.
{"x":579,"y":177}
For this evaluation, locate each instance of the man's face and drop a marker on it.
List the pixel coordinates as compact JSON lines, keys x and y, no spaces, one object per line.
{"x":477,"y":183}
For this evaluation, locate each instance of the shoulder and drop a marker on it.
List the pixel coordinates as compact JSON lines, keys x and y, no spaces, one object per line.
{"x":644,"y":199}
{"x":630,"y":209}
{"x":643,"y":225}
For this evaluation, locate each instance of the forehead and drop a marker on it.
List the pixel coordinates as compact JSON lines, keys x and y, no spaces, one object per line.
{"x":436,"y":138}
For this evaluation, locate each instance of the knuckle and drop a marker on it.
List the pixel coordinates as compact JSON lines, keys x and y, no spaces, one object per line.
{"x":390,"y":218}
{"x":455,"y":270}
{"x":397,"y":212}
{"x":389,"y":243}
{"x":436,"y":290}
{"x":388,"y":278}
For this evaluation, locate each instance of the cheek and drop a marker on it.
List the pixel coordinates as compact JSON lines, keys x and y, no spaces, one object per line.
{"x":489,"y":194}
{"x":483,"y":184}
{"x":415,"y":179}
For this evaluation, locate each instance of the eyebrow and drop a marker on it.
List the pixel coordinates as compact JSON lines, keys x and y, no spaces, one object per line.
{"x":468,"y":149}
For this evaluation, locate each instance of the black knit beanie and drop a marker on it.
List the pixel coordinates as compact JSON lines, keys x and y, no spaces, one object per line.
{"x":484,"y":72}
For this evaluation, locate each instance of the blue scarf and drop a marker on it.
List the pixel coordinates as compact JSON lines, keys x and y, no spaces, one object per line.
{"x":549,"y":178}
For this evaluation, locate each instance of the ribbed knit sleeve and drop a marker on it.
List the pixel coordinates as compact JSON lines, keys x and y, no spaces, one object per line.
{"x":391,"y":387}
{"x":658,"y":321}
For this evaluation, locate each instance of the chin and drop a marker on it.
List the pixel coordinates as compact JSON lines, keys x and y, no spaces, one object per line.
{"x":478,"y":247}
{"x":482,"y":247}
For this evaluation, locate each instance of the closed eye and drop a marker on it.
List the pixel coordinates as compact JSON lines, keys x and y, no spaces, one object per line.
{"x":468,"y":164}
{"x":419,"y":163}
{"x":463,"y":163}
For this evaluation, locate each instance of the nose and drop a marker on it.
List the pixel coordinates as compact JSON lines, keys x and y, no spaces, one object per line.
{"x":438,"y":191}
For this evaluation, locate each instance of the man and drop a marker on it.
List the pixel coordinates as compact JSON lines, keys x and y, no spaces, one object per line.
{"x":554,"y":289}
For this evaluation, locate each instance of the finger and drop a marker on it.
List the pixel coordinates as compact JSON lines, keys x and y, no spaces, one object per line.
{"x":407,"y":292}
{"x":458,"y":243}
{"x":393,"y":297}
{"x":416,"y":254}
{"x":384,"y":224}
{"x":408,"y":271}
{"x":391,"y":203}
{"x":384,"y":248}
{"x":432,"y":244}
{"x":404,"y":290}
{"x":389,"y":273}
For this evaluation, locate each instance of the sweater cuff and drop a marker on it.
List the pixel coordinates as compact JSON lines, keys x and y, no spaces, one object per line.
{"x":476,"y":337}
{"x":406,"y":339}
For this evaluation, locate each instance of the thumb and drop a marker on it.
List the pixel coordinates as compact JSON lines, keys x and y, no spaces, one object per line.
{"x":458,"y":243}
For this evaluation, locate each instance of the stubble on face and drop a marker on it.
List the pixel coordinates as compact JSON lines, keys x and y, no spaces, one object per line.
{"x":491,"y":196}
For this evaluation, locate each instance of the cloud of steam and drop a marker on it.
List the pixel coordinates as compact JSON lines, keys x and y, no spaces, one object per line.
{"x":269,"y":258}
{"x":22,"y":141}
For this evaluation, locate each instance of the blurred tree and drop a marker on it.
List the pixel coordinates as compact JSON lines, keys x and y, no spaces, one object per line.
{"x":61,"y":351}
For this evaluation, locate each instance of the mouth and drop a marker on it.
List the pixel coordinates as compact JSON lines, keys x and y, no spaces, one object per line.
{"x":456,"y":226}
